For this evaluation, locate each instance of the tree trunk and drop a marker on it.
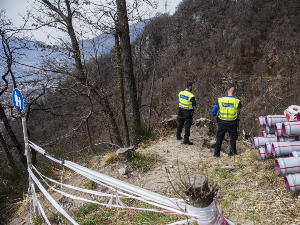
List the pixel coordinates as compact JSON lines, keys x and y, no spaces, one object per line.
{"x":11,"y":134}
{"x":151,"y":98}
{"x":121,"y":88}
{"x":130,"y":86}
{"x":89,"y":134}
{"x":8,"y":153}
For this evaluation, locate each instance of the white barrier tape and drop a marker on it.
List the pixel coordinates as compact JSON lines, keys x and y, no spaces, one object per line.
{"x":53,"y":202}
{"x":116,"y":183}
{"x":41,"y":210}
{"x":204,"y":215}
{"x":103,"y":204}
{"x":101,"y":194}
{"x":82,"y":172}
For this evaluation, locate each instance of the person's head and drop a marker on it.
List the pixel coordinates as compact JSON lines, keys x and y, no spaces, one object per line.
{"x":189,"y":86}
{"x":232,"y":91}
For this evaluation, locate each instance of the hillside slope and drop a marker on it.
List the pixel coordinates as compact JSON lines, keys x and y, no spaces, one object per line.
{"x":250,"y":190}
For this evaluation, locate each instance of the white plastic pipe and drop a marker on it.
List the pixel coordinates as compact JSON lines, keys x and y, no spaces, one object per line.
{"x":295,"y":154}
{"x":271,"y":120}
{"x":278,"y":129}
{"x":269,"y":130}
{"x":291,"y":128}
{"x":264,"y":134}
{"x":261,"y":121}
{"x":268,"y":148}
{"x":285,"y":139}
{"x":263,"y":155}
{"x":287,"y":165}
{"x":284,"y":148}
{"x":261,"y":141}
{"x":292,"y":182}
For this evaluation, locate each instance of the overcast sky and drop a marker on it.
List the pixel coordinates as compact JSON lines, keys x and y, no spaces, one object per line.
{"x":16,"y":7}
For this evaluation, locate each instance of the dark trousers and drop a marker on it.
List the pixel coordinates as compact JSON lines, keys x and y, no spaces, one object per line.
{"x":184,"y":116}
{"x":231,"y":128}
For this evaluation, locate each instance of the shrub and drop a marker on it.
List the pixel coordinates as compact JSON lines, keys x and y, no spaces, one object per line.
{"x":141,"y":162}
{"x":143,"y":133}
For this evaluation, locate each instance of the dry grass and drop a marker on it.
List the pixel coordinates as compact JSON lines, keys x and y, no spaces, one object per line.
{"x":108,"y":159}
{"x":251,"y":190}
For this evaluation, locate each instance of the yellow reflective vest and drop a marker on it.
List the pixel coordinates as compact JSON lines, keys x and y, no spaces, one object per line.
{"x":228,"y":108}
{"x":185,"y":99}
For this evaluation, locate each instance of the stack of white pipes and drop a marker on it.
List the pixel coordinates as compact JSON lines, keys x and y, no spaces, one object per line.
{"x":287,"y":143}
{"x":269,"y":135}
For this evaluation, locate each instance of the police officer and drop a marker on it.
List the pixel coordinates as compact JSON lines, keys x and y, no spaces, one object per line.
{"x":227,"y":120}
{"x":185,"y":113}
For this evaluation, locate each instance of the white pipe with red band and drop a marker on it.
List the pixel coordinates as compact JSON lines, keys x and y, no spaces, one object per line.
{"x":262,"y":154}
{"x":278,"y":129}
{"x":294,"y":154}
{"x":261,"y":141}
{"x":264,"y":134}
{"x":292,"y":182}
{"x":261,"y":121}
{"x":287,"y":165}
{"x":269,"y":130}
{"x":291,"y":128}
{"x":268,"y":148}
{"x":284,"y":148}
{"x":271,"y":120}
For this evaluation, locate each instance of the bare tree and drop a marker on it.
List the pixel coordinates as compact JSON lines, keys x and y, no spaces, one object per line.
{"x":7,"y":54}
{"x":61,"y":17}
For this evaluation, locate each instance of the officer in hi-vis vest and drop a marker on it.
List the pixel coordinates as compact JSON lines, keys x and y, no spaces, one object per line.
{"x":227,"y":120}
{"x":187,"y":102}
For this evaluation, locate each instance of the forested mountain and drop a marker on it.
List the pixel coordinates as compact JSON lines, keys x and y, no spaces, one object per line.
{"x":252,"y":45}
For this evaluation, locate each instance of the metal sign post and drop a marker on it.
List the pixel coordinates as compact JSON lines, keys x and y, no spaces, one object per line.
{"x":18,"y":102}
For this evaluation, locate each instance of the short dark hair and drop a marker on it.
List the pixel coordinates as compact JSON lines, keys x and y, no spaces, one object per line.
{"x":189,"y":84}
{"x":232,"y":90}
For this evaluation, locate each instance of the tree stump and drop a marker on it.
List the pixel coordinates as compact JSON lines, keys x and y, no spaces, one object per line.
{"x":124,"y":154}
{"x":198,"y":191}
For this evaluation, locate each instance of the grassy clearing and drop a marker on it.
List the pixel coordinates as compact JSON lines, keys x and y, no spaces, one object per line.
{"x":92,"y":214}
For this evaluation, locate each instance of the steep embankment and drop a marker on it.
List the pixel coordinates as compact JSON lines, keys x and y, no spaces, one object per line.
{"x":250,"y":190}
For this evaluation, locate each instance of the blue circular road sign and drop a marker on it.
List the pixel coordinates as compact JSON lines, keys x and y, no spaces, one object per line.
{"x":18,"y":100}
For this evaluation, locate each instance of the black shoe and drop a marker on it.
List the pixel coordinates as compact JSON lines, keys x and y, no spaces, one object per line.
{"x":188,"y":143}
{"x":232,"y":154}
{"x":217,"y":156}
{"x":179,"y":138}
